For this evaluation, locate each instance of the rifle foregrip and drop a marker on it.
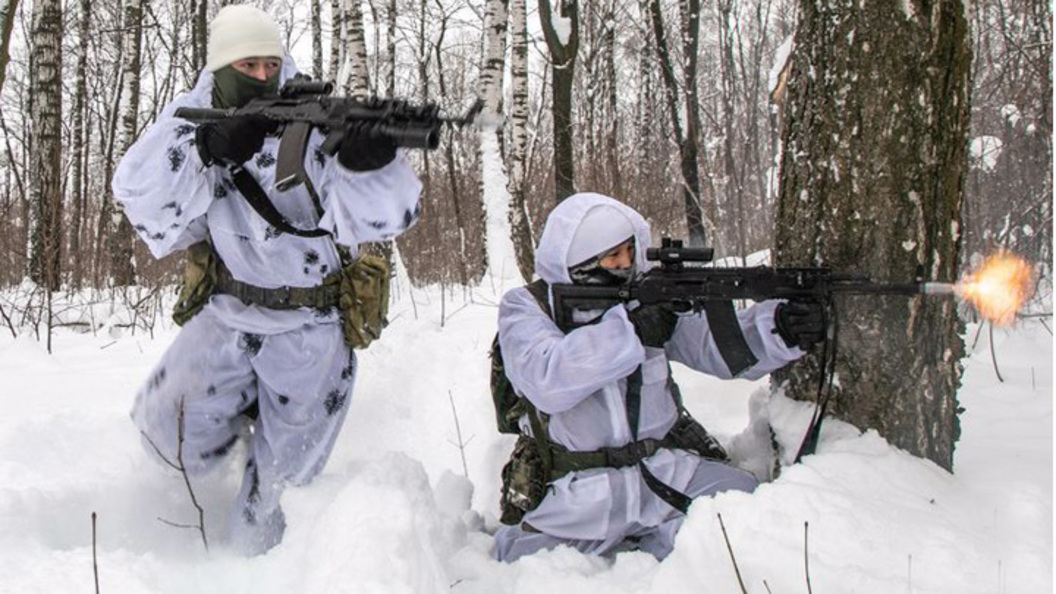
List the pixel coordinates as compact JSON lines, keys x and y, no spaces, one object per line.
{"x":413,"y":136}
{"x":203,"y":114}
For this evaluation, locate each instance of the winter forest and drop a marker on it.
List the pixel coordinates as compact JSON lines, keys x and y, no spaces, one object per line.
{"x":905,"y":140}
{"x":675,"y":107}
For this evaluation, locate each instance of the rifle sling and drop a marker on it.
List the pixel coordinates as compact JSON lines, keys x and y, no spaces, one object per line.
{"x":726,"y":330}
{"x":633,"y":402}
{"x":257,"y":199}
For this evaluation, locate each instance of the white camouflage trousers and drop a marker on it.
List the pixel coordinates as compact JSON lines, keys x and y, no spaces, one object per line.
{"x":300,"y":381}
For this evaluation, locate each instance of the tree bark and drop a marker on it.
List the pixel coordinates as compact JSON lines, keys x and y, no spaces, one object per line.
{"x":46,"y":144}
{"x":337,"y":37}
{"x":520,"y":227}
{"x":317,"y":39}
{"x":7,"y":23}
{"x":77,"y":192}
{"x":122,"y":265}
{"x":872,"y":177}
{"x":356,"y":80}
{"x":562,"y":38}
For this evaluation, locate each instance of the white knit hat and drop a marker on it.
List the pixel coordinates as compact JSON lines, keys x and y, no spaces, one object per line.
{"x":603,"y":227}
{"x":241,"y":31}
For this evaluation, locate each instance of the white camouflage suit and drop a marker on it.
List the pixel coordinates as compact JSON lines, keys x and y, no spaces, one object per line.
{"x":292,"y":363}
{"x":579,"y":379}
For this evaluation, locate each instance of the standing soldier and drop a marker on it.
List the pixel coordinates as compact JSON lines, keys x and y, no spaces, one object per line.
{"x":262,"y":342}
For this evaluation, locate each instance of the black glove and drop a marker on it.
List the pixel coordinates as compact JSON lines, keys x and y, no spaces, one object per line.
{"x":800,"y":323}
{"x":362,"y":151}
{"x":232,"y":140}
{"x":653,"y":324}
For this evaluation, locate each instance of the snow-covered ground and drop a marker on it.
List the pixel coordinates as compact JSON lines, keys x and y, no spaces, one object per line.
{"x":402,"y":508}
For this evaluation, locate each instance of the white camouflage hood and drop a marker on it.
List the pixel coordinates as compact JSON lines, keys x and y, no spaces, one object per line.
{"x":551,"y":256}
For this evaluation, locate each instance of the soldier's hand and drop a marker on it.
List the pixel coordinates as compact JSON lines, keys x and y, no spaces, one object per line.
{"x":362,"y":151}
{"x":653,"y":324}
{"x":232,"y":140}
{"x":800,"y":323}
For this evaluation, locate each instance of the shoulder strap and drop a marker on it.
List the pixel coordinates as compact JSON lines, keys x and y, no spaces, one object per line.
{"x":256,"y":197}
{"x":541,"y":291}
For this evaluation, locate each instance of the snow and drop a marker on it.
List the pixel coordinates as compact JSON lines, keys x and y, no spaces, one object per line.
{"x":562,"y":25}
{"x":985,"y":151}
{"x":779,"y":62}
{"x":393,"y":511}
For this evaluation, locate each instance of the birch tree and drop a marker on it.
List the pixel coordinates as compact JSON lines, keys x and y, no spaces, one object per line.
{"x":354,"y":77}
{"x":78,"y":194}
{"x":337,"y":37}
{"x":520,"y":229}
{"x":46,"y":143}
{"x":122,"y":265}
{"x":872,"y":176}
{"x":317,"y":39}
{"x":494,"y":182}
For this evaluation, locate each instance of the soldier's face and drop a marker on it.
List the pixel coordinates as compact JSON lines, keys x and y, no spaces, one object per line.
{"x":261,"y":68}
{"x":620,"y":257}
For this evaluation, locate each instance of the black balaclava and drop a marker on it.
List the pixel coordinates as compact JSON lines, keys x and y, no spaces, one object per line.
{"x":232,"y":88}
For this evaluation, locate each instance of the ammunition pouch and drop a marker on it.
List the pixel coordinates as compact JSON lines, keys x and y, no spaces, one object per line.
{"x":363,"y":299}
{"x":524,"y":480}
{"x":200,"y":272}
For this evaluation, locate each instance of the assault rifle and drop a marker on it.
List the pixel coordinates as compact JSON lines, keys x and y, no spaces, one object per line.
{"x":713,"y":290}
{"x":303,"y":104}
{"x":696,"y":287}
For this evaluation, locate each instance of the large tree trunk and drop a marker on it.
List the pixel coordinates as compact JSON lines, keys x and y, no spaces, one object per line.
{"x":561,"y":30}
{"x":871,"y":179}
{"x":46,"y":144}
{"x":520,"y":227}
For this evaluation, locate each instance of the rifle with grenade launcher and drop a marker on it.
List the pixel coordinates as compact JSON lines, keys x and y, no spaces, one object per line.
{"x":303,"y":104}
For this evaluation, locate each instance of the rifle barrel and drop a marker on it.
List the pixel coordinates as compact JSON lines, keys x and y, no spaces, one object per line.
{"x":920,"y":288}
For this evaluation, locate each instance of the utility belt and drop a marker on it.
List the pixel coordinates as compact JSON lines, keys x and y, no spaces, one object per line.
{"x":321,"y":296}
{"x":359,"y":290}
{"x":686,"y":434}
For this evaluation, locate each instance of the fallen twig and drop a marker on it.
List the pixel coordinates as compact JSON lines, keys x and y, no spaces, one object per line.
{"x":806,"y":557}
{"x":729,"y":548}
{"x":178,"y":465}
{"x":95,"y":564}
{"x":461,"y":445}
